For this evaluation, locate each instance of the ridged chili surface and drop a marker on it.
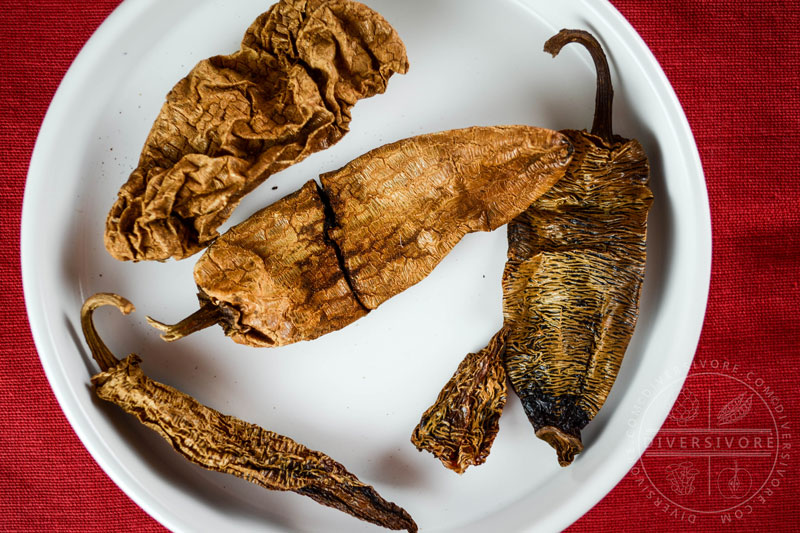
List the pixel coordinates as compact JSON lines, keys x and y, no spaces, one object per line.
{"x":227,"y":444}
{"x":236,"y":119}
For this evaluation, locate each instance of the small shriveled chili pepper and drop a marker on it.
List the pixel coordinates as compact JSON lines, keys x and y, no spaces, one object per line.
{"x":571,"y":285}
{"x":226,"y":444}
{"x":236,"y":119}
{"x":460,"y":427}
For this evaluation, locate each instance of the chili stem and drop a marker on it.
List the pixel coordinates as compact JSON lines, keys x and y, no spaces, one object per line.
{"x":208,"y":315}
{"x":99,"y":350}
{"x":605,"y":92}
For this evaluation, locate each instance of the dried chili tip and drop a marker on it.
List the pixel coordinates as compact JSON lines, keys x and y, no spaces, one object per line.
{"x":567,"y":446}
{"x":227,"y":444}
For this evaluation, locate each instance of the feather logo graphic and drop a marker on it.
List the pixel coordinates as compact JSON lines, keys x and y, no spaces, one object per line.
{"x":736,"y":409}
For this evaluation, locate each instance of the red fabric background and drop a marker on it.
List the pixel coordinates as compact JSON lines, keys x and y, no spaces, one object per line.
{"x":735,"y":66}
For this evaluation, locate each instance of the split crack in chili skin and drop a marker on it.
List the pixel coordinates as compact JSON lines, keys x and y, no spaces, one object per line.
{"x":571,"y":290}
{"x":227,"y":444}
{"x":324,"y":256}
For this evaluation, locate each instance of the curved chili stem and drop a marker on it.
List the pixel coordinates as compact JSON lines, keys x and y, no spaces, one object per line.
{"x":605,"y":92}
{"x":208,"y":315}
{"x":99,"y":350}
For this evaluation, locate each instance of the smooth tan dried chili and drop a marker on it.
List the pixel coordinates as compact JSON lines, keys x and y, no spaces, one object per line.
{"x":226,"y":444}
{"x":236,"y":119}
{"x":571,"y":288}
{"x":326,"y":255}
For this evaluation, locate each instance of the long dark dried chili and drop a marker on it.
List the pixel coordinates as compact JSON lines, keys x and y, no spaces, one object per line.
{"x":571,"y":285}
{"x":236,"y":119}
{"x":226,"y":444}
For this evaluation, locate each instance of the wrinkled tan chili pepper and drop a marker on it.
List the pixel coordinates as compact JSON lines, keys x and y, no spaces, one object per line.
{"x":235,"y":120}
{"x":323,"y":257}
{"x":571,"y":287}
{"x":226,"y":444}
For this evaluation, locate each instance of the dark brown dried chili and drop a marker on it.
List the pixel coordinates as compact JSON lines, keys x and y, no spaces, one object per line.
{"x":460,"y":427}
{"x":326,"y":255}
{"x":574,"y":275}
{"x":226,"y":444}
{"x":572,"y":281}
{"x":234,"y":120}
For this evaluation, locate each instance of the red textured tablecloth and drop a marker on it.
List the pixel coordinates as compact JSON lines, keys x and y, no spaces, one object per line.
{"x":735,"y":66}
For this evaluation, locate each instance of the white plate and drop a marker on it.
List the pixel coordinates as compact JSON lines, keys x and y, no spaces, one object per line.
{"x":355,"y":394}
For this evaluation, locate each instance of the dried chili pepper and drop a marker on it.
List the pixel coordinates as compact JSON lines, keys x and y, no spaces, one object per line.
{"x":574,"y":275}
{"x":235,"y":120}
{"x":226,"y":444}
{"x":460,"y":427}
{"x":571,"y":285}
{"x":323,"y":257}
